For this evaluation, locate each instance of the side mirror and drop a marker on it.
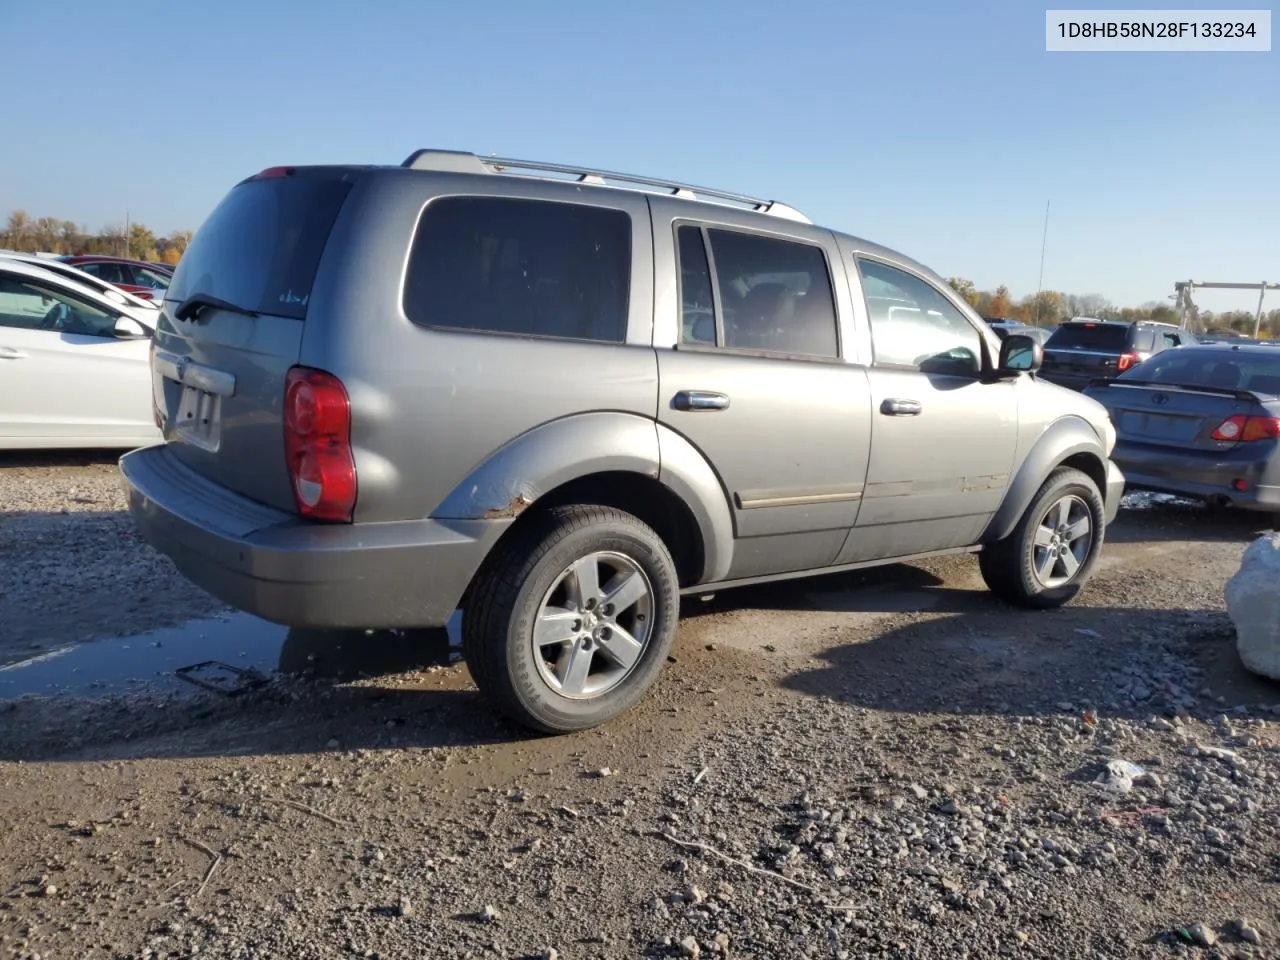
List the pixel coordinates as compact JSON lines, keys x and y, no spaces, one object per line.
{"x":128,"y":328}
{"x":1020,"y":354}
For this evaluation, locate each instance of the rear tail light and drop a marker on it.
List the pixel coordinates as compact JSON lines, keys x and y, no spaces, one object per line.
{"x":1126,"y":361}
{"x":1248,"y":429}
{"x":317,"y":441}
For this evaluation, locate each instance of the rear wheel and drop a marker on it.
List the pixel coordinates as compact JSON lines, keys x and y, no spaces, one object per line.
{"x":570,"y":620}
{"x":1051,"y":553}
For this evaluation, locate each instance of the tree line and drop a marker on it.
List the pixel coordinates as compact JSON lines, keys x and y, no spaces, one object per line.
{"x":1050,"y":307}
{"x":27,"y":234}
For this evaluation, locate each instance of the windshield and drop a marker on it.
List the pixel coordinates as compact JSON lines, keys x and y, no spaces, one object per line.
{"x":1256,"y":372}
{"x":261,"y":246}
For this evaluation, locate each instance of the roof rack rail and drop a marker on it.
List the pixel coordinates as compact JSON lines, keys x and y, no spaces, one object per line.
{"x":463,"y":162}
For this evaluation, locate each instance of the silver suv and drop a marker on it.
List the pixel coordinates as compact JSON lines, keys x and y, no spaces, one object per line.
{"x":558,"y":399}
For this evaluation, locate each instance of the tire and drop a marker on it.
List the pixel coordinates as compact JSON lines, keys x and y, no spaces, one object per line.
{"x":1009,"y":566}
{"x":552,"y":688}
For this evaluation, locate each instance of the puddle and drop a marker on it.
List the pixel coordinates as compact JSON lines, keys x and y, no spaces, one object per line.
{"x":235,"y":646}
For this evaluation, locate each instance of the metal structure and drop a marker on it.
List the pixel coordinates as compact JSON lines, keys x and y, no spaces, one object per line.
{"x":1186,"y":306}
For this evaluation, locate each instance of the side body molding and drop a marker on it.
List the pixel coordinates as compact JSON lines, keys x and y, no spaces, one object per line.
{"x":559,"y":451}
{"x":1062,"y":439}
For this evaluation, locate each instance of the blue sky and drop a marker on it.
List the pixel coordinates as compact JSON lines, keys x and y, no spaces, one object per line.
{"x":937,"y":128}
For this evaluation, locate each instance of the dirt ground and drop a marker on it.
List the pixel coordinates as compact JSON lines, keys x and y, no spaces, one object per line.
{"x":887,"y":764}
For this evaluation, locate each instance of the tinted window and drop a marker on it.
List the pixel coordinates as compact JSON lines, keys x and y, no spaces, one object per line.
{"x":697,"y":305}
{"x":1142,"y":340}
{"x":775,"y":295}
{"x":531,"y":267}
{"x":1227,"y":369}
{"x":914,"y":325}
{"x":32,"y":305}
{"x":261,"y":246}
{"x":1088,"y":336}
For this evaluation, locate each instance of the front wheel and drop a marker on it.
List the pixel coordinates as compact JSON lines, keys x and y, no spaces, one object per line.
{"x":1050,"y":555}
{"x":571,"y":618}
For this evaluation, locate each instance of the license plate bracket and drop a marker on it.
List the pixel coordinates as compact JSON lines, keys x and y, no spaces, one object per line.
{"x":199,"y":419}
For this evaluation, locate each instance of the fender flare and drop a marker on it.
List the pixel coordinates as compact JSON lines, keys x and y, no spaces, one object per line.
{"x":532,"y":465}
{"x":1062,"y":440}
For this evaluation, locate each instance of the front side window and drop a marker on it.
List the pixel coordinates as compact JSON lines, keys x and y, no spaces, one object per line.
{"x":526,"y":267}
{"x":914,"y":325}
{"x":774,"y":295}
{"x":31,"y":305}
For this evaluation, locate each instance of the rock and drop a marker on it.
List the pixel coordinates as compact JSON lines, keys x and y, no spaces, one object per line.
{"x":1118,"y":776}
{"x":551,"y":953}
{"x":695,"y":895}
{"x":1253,"y":602}
{"x":490,"y":914}
{"x":50,"y":891}
{"x":919,"y":792}
{"x":604,"y":772}
{"x":689,"y":948}
{"x":1202,"y":934}
{"x":405,"y":907}
{"x":1246,"y":931}
{"x":332,"y":745}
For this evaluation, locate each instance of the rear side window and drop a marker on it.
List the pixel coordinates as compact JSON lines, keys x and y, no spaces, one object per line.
{"x":261,"y":246}
{"x":1142,"y":340}
{"x":1086,"y":336}
{"x":525,"y":267}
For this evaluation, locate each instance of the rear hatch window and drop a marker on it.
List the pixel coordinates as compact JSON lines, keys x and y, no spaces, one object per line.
{"x":1080,"y":336}
{"x":261,"y":246}
{"x":258,"y":253}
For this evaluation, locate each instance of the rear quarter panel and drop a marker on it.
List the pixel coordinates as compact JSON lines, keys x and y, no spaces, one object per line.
{"x":429,"y":406}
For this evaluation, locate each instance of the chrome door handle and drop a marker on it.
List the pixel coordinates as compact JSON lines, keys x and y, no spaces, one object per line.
{"x":9,"y":353}
{"x":694,"y":400}
{"x":901,"y":408}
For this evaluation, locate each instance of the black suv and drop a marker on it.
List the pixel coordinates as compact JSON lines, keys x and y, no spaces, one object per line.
{"x":1082,"y":349}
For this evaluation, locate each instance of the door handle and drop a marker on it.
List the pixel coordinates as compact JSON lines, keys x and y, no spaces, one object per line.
{"x":694,"y":400}
{"x":9,"y":353}
{"x":893,"y":407}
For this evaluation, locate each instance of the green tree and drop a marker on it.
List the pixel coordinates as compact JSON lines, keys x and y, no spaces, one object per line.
{"x":965,"y":288}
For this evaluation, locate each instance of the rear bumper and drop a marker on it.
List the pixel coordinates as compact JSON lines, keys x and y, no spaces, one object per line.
{"x":1207,"y":475}
{"x":273,"y":565}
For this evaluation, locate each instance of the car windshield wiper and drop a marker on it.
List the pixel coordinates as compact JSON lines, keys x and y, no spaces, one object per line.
{"x":191,"y":307}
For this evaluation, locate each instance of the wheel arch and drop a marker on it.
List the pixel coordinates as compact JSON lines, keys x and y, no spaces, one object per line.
{"x":1068,"y":442}
{"x":610,"y":459}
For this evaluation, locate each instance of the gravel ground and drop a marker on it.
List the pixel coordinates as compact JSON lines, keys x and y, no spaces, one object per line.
{"x":885,"y":764}
{"x":67,"y":544}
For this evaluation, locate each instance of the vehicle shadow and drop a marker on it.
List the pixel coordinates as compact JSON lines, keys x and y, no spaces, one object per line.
{"x":978,"y":660}
{"x":59,"y":458}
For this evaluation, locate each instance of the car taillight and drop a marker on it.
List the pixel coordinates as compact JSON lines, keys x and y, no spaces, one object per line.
{"x":1248,"y":429}
{"x":1126,"y":361}
{"x":317,"y":441}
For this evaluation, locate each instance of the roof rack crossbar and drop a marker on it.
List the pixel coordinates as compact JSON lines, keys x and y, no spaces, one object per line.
{"x":436,"y":159}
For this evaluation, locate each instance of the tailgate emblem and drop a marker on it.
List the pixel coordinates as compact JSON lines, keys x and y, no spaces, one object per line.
{"x":1160,"y":399}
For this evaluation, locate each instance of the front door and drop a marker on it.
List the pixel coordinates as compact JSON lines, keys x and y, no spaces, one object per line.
{"x":943,"y":441}
{"x":755,"y":381}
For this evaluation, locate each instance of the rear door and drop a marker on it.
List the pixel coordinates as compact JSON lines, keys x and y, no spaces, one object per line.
{"x":219,"y":375}
{"x":756,"y":381}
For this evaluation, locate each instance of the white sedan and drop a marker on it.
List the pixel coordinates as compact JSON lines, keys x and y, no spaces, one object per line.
{"x":75,"y":368}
